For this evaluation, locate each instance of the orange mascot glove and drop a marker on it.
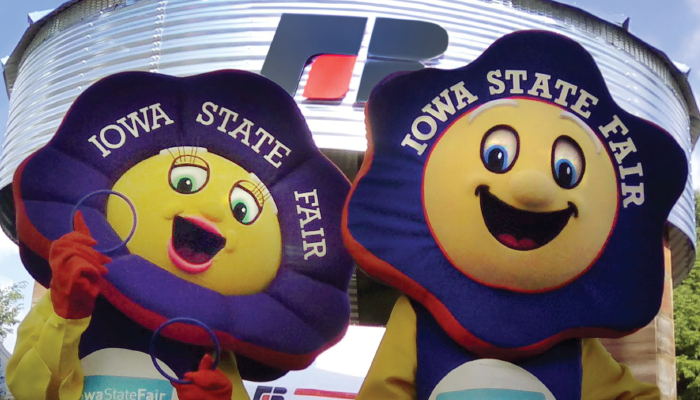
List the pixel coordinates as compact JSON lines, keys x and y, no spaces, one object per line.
{"x":207,"y":384}
{"x":76,"y":268}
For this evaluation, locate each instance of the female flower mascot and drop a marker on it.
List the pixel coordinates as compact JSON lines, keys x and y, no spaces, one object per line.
{"x":236,"y":225}
{"x":522,"y":213}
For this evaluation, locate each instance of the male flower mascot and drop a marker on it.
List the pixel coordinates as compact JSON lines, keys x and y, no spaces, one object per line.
{"x":521,"y":211}
{"x":236,"y":226}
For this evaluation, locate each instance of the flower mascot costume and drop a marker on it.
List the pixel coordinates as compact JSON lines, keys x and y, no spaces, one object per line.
{"x":231,"y":218}
{"x":522,"y":213}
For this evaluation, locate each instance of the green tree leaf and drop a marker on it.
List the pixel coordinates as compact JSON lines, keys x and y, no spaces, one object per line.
{"x":686,"y":314}
{"x":10,"y":306}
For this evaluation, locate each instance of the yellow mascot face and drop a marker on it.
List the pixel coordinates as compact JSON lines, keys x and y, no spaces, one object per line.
{"x":529,"y":211}
{"x":201,"y":217}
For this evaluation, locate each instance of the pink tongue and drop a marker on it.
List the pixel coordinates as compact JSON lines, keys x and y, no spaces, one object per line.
{"x":512,"y":242}
{"x":192,"y":256}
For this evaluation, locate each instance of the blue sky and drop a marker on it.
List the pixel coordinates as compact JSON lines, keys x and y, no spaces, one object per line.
{"x":669,"y":25}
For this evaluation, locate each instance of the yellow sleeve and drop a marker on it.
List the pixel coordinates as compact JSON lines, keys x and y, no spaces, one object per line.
{"x":228,"y":366}
{"x":606,"y":379}
{"x":45,"y":362}
{"x":392,"y":375}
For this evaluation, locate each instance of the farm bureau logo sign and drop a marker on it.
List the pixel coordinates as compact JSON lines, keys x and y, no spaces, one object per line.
{"x":332,"y":44}
{"x":269,"y":393}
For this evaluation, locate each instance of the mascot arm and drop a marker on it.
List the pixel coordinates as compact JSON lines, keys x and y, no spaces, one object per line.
{"x":45,"y":363}
{"x":392,"y":375}
{"x":605,"y":378}
{"x":229,"y":367}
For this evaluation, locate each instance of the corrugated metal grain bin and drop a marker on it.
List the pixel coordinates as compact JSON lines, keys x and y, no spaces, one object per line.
{"x":83,"y":41}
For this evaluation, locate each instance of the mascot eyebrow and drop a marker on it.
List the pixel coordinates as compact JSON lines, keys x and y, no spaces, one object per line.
{"x":564,"y":115}
{"x":573,"y":118}
{"x":490,"y":105}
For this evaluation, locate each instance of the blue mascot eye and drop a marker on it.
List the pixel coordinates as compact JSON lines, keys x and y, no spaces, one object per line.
{"x":496,"y":158}
{"x":499,"y":149}
{"x":568,"y":162}
{"x":565,"y":174}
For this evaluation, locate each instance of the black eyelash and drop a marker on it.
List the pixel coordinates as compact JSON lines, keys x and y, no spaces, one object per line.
{"x":189,"y":156}
{"x":190,"y":160}
{"x":258,"y":190}
{"x":263,"y":191}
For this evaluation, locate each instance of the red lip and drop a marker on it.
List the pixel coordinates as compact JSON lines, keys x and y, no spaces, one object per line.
{"x":194,"y":243}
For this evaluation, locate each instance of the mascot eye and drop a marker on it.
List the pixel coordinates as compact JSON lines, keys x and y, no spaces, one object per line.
{"x":499,"y":149}
{"x":568,"y":163}
{"x":244,"y":205}
{"x":187,"y":179}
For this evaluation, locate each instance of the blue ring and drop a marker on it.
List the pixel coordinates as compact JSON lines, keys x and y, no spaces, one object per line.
{"x":107,"y":191}
{"x":190,"y":321}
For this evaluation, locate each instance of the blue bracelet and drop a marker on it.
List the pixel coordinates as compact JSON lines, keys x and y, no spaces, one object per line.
{"x":107,"y":191}
{"x":191,"y":321}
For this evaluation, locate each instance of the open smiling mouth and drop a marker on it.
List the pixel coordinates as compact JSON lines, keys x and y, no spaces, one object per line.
{"x":519,"y":229}
{"x":194,"y":244}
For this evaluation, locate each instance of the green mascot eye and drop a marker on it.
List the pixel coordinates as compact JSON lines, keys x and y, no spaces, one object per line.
{"x":187,"y":179}
{"x":244,"y":205}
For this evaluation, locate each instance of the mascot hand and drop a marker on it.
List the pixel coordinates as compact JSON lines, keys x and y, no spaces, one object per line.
{"x":207,"y":384}
{"x":76,"y":269}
